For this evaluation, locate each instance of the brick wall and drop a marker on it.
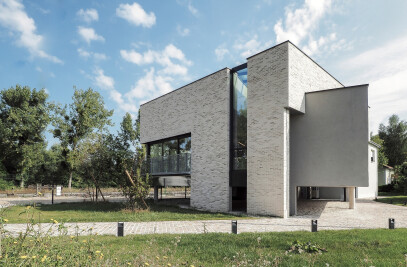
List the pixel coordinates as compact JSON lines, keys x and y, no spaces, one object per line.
{"x":202,"y":109}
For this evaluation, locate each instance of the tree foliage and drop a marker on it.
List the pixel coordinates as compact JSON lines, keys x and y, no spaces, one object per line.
{"x":382,"y":158}
{"x":394,"y":137}
{"x":24,"y":117}
{"x":83,"y":117}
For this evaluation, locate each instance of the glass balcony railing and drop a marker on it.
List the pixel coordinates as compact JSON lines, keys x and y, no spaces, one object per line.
{"x":170,"y":165}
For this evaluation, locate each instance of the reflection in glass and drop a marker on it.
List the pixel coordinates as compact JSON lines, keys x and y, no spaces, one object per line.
{"x":171,"y":156}
{"x":156,"y":150}
{"x":185,"y":145}
{"x":239,"y":116}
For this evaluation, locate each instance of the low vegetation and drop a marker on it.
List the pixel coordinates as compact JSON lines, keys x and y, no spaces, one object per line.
{"x":327,"y":248}
{"x":395,"y":200}
{"x":106,"y":212}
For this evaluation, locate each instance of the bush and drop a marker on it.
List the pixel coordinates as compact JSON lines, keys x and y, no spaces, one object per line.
{"x":6,"y":185}
{"x":386,"y":188}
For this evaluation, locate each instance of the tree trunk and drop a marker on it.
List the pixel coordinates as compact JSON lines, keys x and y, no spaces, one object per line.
{"x":70,"y":181}
{"x":22,"y":182}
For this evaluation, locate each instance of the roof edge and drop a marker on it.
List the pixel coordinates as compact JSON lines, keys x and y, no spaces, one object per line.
{"x":226,"y":68}
{"x":338,"y":88}
{"x":288,"y":41}
{"x":374,"y":144}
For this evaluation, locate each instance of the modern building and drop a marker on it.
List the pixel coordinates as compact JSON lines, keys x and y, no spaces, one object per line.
{"x":249,"y":138}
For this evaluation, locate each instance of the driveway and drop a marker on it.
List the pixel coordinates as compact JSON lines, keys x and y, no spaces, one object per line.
{"x":331,"y":215}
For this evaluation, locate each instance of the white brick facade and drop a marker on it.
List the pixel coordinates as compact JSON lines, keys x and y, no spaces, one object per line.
{"x":202,"y":109}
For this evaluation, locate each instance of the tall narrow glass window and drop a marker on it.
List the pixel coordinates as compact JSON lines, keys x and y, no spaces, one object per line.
{"x":239,"y":117}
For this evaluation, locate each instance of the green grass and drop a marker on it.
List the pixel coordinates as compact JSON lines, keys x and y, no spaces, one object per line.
{"x":395,"y":200}
{"x":344,"y":248}
{"x":106,"y":212}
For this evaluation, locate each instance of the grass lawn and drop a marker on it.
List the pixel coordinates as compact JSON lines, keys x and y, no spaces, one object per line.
{"x":343,"y":248}
{"x":395,"y":200}
{"x":105,"y":212}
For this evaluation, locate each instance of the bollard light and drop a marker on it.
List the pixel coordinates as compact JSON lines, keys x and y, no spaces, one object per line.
{"x":405,"y":203}
{"x":234,"y":227}
{"x":314,"y":225}
{"x":391,"y":223}
{"x":120,"y":228}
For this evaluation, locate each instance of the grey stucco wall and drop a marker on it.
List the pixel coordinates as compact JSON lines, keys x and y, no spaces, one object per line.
{"x":267,"y":122}
{"x":328,"y":142}
{"x":305,"y":76}
{"x":202,"y":109}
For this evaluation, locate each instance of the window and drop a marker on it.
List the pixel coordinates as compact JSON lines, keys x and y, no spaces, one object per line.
{"x":372,"y":157}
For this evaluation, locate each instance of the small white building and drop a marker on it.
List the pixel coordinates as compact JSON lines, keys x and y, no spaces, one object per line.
{"x":372,"y":190}
{"x":385,"y":175}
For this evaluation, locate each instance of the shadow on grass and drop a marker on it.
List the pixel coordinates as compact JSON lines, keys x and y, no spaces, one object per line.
{"x":162,"y":206}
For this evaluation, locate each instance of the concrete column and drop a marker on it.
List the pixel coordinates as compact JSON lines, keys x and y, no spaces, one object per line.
{"x":155,"y":193}
{"x":351,"y":197}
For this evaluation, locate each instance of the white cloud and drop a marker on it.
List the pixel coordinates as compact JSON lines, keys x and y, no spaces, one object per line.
{"x":88,"y":15}
{"x":192,"y":9}
{"x":220,"y":53}
{"x":385,"y":69}
{"x":299,"y":26}
{"x":103,"y":81}
{"x":251,"y":47}
{"x":88,"y":54}
{"x":300,"y":22}
{"x":182,"y":31}
{"x":83,"y":53}
{"x":315,"y":46}
{"x":150,"y":86}
{"x":136,"y":15}
{"x":89,"y":34}
{"x":14,"y":18}
{"x":107,"y":83}
{"x":164,"y":58}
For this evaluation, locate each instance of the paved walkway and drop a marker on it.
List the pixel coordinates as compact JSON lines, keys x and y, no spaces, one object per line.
{"x":331,"y":216}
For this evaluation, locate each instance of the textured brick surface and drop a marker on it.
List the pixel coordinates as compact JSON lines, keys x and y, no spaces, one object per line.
{"x":202,"y":109}
{"x":305,"y":76}
{"x":267,"y":133}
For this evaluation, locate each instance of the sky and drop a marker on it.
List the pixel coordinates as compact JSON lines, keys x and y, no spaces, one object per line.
{"x":132,"y":52}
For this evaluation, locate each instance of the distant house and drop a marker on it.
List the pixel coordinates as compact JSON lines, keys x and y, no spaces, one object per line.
{"x":385,"y":175}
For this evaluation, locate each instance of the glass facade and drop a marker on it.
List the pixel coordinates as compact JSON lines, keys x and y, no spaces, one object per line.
{"x":239,"y":120}
{"x":238,"y":152}
{"x":170,"y":156}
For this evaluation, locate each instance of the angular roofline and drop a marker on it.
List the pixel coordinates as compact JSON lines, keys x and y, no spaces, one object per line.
{"x":374,"y":144}
{"x":288,"y":41}
{"x":245,"y":64}
{"x":338,"y":88}
{"x":226,"y":68}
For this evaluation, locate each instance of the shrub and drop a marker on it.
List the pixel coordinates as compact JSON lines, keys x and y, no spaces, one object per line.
{"x":386,"y":188}
{"x":298,"y":247}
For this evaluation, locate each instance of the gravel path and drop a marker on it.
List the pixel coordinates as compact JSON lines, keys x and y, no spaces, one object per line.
{"x":331,"y":215}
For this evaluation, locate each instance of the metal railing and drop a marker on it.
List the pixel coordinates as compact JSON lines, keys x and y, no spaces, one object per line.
{"x":172,"y":164}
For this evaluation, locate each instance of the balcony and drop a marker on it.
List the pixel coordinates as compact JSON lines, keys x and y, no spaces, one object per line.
{"x":179,"y":164}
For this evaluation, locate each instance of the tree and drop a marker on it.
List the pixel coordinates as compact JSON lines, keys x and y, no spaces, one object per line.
{"x":24,"y":117}
{"x":394,"y":138}
{"x":96,"y":161}
{"x":86,"y":115}
{"x":382,"y":159}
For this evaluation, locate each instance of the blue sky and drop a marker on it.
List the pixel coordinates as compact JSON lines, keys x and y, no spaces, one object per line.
{"x":132,"y":52}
